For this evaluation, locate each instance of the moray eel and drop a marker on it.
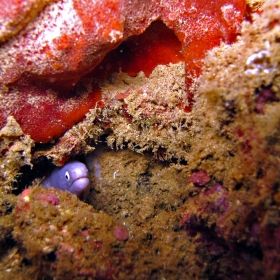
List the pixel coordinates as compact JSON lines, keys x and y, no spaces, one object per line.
{"x":72,"y":177}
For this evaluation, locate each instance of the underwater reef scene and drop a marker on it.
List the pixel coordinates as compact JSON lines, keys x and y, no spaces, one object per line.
{"x":172,"y":108}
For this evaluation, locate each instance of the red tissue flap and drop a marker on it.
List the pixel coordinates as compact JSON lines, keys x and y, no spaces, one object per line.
{"x":42,"y":64}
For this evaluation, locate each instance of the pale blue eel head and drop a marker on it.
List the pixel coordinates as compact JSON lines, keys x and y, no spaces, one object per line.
{"x":72,"y":177}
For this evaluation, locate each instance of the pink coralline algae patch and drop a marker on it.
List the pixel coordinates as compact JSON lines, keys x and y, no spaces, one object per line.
{"x":212,"y":201}
{"x":121,"y":232}
{"x":219,"y":218}
{"x":54,"y":200}
{"x":25,"y":200}
{"x":264,"y":96}
{"x":200,"y":178}
{"x":42,"y":64}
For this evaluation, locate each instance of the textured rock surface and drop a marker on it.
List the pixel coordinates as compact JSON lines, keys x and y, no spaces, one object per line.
{"x":200,"y":199}
{"x":15,"y":152}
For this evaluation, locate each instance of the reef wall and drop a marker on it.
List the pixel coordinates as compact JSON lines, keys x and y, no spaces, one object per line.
{"x":180,"y":135}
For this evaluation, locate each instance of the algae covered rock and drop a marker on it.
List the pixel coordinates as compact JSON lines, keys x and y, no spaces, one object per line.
{"x":66,"y":238}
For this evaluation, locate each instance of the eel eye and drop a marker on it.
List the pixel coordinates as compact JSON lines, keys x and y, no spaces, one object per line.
{"x":67,"y":175}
